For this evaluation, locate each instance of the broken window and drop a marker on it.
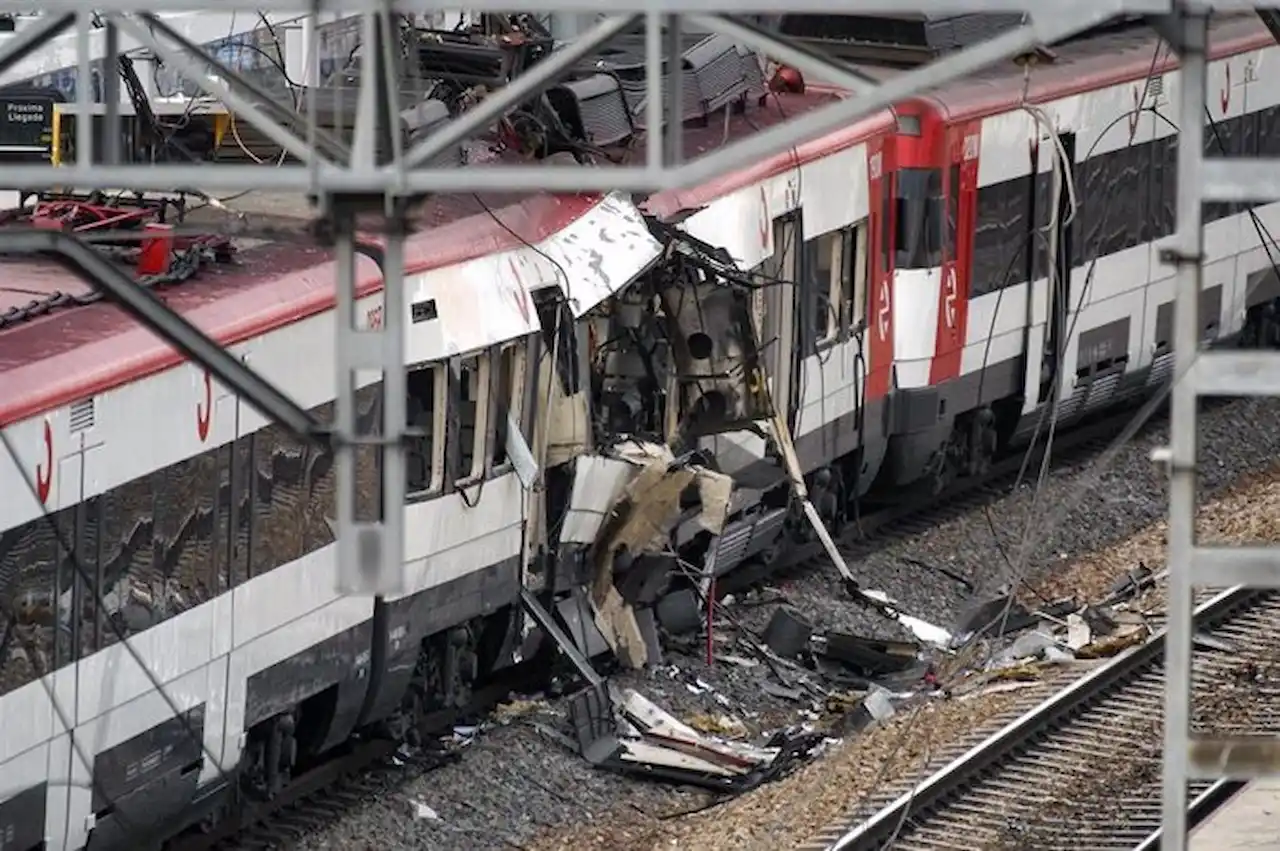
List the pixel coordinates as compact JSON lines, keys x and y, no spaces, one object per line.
{"x":508,"y":396}
{"x":424,"y":457}
{"x":826,"y":266}
{"x":472,"y":394}
{"x":858,"y":258}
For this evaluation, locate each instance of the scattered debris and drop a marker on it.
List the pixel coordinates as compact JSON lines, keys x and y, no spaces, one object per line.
{"x":719,"y":725}
{"x":1127,"y":636}
{"x":505,"y":713}
{"x":1078,"y":632}
{"x":1133,"y":583}
{"x":870,"y":656}
{"x":925,"y":631}
{"x":633,"y":736}
{"x":788,"y":633}
{"x":422,"y":812}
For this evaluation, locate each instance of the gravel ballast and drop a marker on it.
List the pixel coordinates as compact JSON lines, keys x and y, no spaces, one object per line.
{"x":517,"y":786}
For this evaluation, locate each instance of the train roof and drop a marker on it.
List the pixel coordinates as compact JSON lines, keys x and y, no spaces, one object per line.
{"x":1106,"y":59}
{"x":52,"y":356}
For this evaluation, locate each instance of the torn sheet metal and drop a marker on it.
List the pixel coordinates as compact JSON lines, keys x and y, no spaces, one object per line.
{"x":923,"y":630}
{"x":601,"y":252}
{"x":526,"y":466}
{"x":651,"y":743}
{"x":597,"y":485}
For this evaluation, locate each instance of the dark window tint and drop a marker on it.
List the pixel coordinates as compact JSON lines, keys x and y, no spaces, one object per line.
{"x":1127,"y":197}
{"x":467,"y":390}
{"x":953,"y":209}
{"x":28,"y":559}
{"x":505,"y":395}
{"x":918,"y":226}
{"x":1000,"y":235}
{"x":421,"y":386}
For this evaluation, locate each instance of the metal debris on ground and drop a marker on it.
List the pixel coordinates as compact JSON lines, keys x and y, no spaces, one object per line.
{"x":631,"y":735}
{"x":423,"y":812}
{"x":787,"y":633}
{"x":1132,"y":583}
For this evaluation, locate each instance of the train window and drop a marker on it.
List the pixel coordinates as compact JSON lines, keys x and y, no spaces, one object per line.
{"x":886,"y":225}
{"x":825,"y":267}
{"x":424,"y":458}
{"x":472,"y":414}
{"x":953,"y":209}
{"x":858,"y":257}
{"x":279,"y":465}
{"x":28,"y":559}
{"x":369,"y":456}
{"x":84,"y":574}
{"x":183,"y":563}
{"x":130,"y":581}
{"x":1000,"y":236}
{"x":508,"y":396}
{"x":918,"y":227}
{"x":240,"y":484}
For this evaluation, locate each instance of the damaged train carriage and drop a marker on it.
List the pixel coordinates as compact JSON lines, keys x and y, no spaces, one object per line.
{"x":692,"y":414}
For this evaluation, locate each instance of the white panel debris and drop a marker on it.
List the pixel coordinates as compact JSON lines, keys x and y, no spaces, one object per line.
{"x":597,"y":484}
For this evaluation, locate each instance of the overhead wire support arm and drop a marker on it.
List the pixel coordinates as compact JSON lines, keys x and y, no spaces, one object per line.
{"x":371,"y":549}
{"x":139,"y":303}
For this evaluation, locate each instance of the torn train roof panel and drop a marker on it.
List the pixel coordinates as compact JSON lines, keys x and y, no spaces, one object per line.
{"x":486,"y":301}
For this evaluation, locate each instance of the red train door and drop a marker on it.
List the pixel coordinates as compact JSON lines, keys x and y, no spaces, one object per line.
{"x":960,"y":204}
{"x":880,"y":225}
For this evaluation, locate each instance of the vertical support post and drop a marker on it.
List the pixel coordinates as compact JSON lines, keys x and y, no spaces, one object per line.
{"x":364,"y":142}
{"x":84,"y":90}
{"x":111,"y":93}
{"x":370,"y":551}
{"x":344,"y":406}
{"x":654,"y":49}
{"x":395,"y":415}
{"x":675,"y":93}
{"x":301,"y":59}
{"x":1188,"y":252}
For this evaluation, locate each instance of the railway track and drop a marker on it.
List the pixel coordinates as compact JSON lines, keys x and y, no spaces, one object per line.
{"x":1082,"y":769}
{"x":320,"y":795}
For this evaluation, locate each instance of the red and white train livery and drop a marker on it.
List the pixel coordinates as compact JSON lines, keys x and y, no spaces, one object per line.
{"x":908,"y":325}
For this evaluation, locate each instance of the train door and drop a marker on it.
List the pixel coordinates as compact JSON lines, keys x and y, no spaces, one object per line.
{"x":1059,"y":252}
{"x":879,"y":300}
{"x":961,"y":190}
{"x":778,"y":315}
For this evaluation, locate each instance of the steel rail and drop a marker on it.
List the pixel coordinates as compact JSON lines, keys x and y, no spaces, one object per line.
{"x":1022,"y":732}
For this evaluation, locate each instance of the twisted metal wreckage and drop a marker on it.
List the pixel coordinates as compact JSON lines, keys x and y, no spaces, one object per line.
{"x":682,"y":338}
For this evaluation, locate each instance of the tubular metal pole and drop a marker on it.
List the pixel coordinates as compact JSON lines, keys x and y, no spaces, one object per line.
{"x":111,"y":94}
{"x":1188,"y":251}
{"x":344,"y":405}
{"x":84,"y":93}
{"x":394,"y":407}
{"x":674,"y":130}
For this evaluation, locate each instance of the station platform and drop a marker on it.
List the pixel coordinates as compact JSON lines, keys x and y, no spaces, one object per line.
{"x":1249,"y":822}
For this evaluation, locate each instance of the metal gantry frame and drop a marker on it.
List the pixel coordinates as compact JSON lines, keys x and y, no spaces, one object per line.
{"x":351,"y":180}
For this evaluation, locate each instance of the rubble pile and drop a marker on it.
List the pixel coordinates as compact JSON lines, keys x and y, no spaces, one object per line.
{"x":522,"y":780}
